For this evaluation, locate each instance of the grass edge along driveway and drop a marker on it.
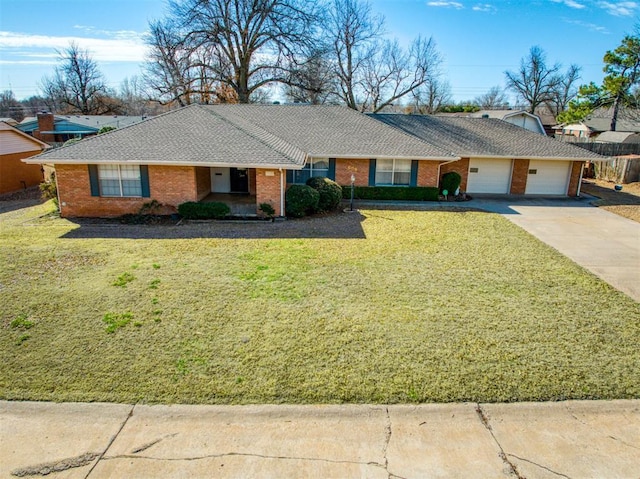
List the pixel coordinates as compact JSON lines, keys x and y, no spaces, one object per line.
{"x":406,"y":306}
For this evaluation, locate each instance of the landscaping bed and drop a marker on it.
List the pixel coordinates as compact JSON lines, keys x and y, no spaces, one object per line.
{"x":625,"y":202}
{"x":386,"y":306}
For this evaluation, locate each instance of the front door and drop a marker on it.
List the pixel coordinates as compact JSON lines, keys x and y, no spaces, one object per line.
{"x":239,"y":180}
{"x":220,"y":180}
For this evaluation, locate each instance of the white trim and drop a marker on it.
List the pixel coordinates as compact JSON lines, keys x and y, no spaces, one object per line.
{"x":160,"y":163}
{"x":579,"y":181}
{"x":282,"y":188}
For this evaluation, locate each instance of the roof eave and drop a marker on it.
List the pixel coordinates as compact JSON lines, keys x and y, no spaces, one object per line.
{"x":270,"y":166}
{"x":383,"y":157}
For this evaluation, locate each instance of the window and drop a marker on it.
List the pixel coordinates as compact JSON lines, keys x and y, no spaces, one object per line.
{"x":313,"y":167}
{"x":120,"y":180}
{"x":393,"y":172}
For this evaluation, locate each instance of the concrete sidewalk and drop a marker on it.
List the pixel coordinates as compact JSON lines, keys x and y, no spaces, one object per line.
{"x":577,"y":439}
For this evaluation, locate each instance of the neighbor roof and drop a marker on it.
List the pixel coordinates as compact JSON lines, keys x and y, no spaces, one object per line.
{"x":90,"y":123}
{"x":484,"y":137}
{"x":247,"y":135}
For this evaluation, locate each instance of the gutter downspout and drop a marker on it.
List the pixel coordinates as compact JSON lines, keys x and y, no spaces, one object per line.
{"x":580,"y":180}
{"x":282,"y":186}
{"x":445,"y":163}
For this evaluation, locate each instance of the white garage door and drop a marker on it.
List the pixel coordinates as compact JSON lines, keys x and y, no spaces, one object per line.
{"x":489,"y":175}
{"x":548,"y":177}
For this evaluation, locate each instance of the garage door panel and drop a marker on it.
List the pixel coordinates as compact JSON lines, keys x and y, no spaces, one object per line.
{"x":489,"y":175}
{"x":548,"y":177}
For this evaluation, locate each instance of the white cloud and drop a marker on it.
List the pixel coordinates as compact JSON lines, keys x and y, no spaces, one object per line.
{"x":570,"y":4}
{"x":589,"y":26}
{"x":456,"y":5}
{"x":122,"y":47}
{"x":484,"y":7}
{"x":620,"y":9}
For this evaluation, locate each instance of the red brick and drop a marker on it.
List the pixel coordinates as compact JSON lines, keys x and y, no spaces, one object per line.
{"x":519,"y":177}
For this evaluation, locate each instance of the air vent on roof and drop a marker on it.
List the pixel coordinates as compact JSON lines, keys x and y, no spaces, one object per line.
{"x":485,"y":115}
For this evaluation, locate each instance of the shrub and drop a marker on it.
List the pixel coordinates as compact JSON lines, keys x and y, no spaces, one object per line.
{"x":330,"y":192}
{"x":198,"y":211}
{"x":399,"y":193}
{"x":49,"y":189}
{"x":450,"y":182}
{"x":267,"y":209}
{"x":301,"y":200}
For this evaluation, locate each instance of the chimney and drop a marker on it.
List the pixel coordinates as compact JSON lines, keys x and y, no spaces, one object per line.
{"x":45,"y":123}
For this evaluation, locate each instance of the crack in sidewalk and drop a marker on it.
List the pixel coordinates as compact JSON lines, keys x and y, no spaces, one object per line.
{"x":540,"y":466}
{"x":484,"y":419}
{"x":115,"y":436}
{"x":147,"y":445}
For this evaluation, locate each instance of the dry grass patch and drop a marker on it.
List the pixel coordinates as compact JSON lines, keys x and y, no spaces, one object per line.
{"x":428,"y":306}
{"x":624,"y":203}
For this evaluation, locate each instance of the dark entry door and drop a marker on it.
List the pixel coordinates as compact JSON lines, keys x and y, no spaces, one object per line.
{"x":239,"y":180}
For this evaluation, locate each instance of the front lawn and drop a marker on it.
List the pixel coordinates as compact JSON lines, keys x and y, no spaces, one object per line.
{"x":418,"y":307}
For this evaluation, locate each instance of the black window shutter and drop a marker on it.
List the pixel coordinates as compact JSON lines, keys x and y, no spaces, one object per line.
{"x":289,"y":176}
{"x":144,"y":179}
{"x":414,"y":173}
{"x":93,"y":180}
{"x":332,"y":169}
{"x":372,"y":172}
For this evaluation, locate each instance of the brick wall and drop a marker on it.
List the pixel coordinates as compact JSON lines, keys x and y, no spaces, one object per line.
{"x":427,"y":173}
{"x":461,"y":167}
{"x":169,"y":185}
{"x":346,"y":167}
{"x":574,"y":179}
{"x":203,"y":181}
{"x":519,"y":177}
{"x":268,"y":188}
{"x":14,"y":172}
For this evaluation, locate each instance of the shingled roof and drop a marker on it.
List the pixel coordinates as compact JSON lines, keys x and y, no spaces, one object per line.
{"x":485,"y":137}
{"x":247,"y":135}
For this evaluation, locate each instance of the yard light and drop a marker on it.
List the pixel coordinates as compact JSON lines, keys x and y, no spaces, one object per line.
{"x":353,"y":180}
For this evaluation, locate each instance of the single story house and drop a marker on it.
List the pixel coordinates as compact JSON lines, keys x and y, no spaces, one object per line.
{"x":15,"y":146}
{"x":499,"y":158}
{"x":56,"y":129}
{"x":520,"y":118}
{"x":257,"y":150}
{"x":200,"y":151}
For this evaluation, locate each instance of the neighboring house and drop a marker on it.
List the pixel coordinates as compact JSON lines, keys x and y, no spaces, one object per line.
{"x":519,"y":118}
{"x":56,"y":129}
{"x":258,"y":150}
{"x":618,"y":137}
{"x":593,"y":126}
{"x":15,"y":146}
{"x":500,"y":158}
{"x":9,"y":121}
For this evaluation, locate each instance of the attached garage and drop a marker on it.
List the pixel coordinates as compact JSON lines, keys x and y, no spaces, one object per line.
{"x":548,"y":177}
{"x":489,"y":175}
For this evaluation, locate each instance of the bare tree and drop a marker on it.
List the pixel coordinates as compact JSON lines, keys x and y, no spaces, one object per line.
{"x":78,"y":85}
{"x":536,"y":83}
{"x":371,"y":72}
{"x":494,"y":99}
{"x":168,"y":70}
{"x":431,"y":97}
{"x":10,"y":107}
{"x":312,"y":81}
{"x":565,"y":91}
{"x":393,"y":72}
{"x":354,"y":34}
{"x":244,"y":44}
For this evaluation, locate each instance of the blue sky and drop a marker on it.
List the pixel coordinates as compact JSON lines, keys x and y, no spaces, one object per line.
{"x":479,"y":39}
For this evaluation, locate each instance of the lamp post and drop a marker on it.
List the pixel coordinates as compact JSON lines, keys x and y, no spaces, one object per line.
{"x":353,"y":180}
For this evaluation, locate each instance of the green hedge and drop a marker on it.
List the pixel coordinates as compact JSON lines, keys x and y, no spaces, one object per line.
{"x":401,"y":193}
{"x":201,"y":211}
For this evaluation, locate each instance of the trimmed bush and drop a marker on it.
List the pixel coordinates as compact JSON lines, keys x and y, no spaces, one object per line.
{"x":330,"y":192}
{"x":450,"y":182}
{"x":399,"y":193}
{"x":301,"y":200}
{"x":192,"y":210}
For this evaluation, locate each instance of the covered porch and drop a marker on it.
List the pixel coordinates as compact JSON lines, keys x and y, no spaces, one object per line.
{"x":242,"y":189}
{"x":240,"y":204}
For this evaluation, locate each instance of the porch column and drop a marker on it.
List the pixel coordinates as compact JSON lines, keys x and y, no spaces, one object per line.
{"x":268,"y":188}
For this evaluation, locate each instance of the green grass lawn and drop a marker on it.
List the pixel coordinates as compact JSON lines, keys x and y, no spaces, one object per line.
{"x":427,"y":306}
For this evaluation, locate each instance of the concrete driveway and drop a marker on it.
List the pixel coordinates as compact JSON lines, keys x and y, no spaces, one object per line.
{"x":606,"y":244}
